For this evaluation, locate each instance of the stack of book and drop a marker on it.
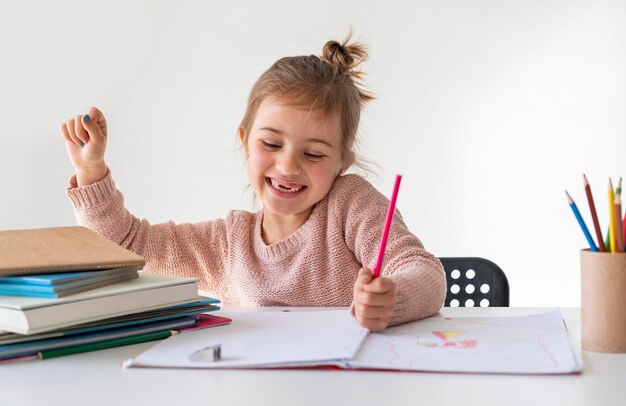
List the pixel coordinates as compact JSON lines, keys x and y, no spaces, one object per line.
{"x":67,"y":290}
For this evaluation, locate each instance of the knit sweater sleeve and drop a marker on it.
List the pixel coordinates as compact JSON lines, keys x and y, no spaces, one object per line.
{"x":418,"y":275}
{"x":195,"y":250}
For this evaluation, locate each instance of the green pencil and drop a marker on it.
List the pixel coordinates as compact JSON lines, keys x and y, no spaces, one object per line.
{"x":116,"y":342}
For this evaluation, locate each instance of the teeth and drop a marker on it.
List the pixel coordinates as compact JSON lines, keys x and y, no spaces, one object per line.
{"x":278,"y":186}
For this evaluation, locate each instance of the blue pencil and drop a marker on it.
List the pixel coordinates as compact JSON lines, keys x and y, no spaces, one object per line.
{"x":592,"y":244}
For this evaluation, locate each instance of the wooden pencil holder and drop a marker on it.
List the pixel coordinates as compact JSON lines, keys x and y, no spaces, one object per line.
{"x":603,"y":301}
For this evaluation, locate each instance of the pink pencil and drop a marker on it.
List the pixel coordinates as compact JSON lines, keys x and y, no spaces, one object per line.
{"x":383,"y":240}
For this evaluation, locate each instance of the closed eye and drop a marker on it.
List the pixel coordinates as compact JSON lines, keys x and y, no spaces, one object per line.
{"x":314,"y":157}
{"x":270,"y":145}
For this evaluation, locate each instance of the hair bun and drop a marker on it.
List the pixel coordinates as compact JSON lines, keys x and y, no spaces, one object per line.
{"x":344,"y":56}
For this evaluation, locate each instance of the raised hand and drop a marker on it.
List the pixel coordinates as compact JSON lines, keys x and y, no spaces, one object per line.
{"x":85,"y":140}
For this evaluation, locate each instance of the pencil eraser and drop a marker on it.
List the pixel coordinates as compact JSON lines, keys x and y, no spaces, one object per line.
{"x":211,"y":353}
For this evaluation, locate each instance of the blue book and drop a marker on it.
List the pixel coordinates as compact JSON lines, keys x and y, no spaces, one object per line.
{"x":63,"y":284}
{"x":52,"y":279}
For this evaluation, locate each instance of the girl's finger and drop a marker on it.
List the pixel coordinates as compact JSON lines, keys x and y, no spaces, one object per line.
{"x":372,"y":312}
{"x":64,"y":133}
{"x":363,"y":315}
{"x":372,"y":323}
{"x":380,"y":285}
{"x":91,"y":125}
{"x":72,"y":132}
{"x":364,"y":276}
{"x":81,"y":133}
{"x":97,"y":117}
{"x":374,"y":299}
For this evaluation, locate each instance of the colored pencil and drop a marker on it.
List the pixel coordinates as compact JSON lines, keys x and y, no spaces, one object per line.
{"x":619,"y":236}
{"x":624,"y":229}
{"x":594,"y":215}
{"x":618,"y":190}
{"x":611,"y":216}
{"x":383,"y":240}
{"x":581,"y":222}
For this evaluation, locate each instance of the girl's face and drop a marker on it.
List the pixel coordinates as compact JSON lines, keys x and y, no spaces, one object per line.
{"x":294,"y":156}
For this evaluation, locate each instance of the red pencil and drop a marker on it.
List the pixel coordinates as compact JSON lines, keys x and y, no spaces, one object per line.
{"x":383,"y":240}
{"x":594,"y":215}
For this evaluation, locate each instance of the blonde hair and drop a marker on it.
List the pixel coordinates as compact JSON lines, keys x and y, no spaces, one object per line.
{"x":327,"y":84}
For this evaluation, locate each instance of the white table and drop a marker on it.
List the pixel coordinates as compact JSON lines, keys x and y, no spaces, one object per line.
{"x":96,"y":378}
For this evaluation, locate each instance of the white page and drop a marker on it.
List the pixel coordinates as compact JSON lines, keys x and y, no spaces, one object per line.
{"x":263,"y":339}
{"x":534,"y":344}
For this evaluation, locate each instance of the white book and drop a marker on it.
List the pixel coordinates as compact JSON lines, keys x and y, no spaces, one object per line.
{"x":29,"y":315}
{"x":533,"y":344}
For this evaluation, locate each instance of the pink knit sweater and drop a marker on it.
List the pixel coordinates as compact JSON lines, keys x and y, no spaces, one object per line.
{"x":315,"y":266}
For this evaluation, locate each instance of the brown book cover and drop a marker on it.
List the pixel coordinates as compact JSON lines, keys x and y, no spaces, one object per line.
{"x":60,"y":249}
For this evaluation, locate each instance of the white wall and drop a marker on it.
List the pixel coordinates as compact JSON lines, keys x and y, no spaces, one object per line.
{"x":490,"y":109}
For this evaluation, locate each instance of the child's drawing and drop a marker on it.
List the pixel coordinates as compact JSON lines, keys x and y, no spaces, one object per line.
{"x":522,"y":344}
{"x":447,"y":340}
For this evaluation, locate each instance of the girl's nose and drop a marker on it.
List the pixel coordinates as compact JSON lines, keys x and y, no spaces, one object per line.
{"x":288,"y":164}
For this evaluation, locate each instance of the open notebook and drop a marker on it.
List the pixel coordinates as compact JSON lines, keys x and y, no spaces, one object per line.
{"x":535,"y":344}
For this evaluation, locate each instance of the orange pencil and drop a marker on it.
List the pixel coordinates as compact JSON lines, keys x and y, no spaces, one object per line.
{"x":624,"y":229}
{"x":594,"y":215}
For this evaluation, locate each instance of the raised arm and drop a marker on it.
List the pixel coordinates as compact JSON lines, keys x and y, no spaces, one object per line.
{"x":196,"y":250}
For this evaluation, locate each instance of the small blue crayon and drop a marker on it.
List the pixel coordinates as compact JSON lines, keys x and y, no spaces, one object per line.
{"x":581,"y":222}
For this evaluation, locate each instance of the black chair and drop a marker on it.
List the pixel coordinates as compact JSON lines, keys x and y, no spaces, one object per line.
{"x":474,"y":282}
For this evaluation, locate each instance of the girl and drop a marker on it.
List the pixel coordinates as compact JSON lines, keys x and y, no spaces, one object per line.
{"x":317,"y":235}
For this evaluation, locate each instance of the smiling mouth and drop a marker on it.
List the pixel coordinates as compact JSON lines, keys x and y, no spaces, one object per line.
{"x":285,"y":187}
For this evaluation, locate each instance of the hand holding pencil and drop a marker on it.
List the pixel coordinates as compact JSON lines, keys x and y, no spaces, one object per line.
{"x":374,"y":299}
{"x":374,"y":295}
